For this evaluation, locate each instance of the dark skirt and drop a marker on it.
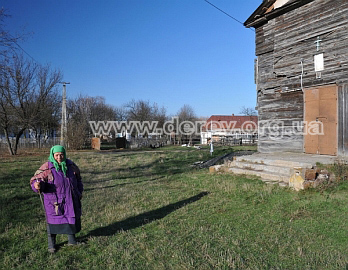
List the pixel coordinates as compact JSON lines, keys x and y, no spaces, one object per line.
{"x":64,"y":228}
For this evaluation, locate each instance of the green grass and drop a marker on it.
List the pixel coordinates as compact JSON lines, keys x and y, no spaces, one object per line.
{"x":152,"y":210}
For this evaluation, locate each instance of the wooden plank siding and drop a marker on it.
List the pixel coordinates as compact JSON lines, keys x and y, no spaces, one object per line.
{"x":280,"y":122}
{"x":285,"y":48}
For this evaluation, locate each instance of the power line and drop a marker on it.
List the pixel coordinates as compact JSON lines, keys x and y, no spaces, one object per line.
{"x":14,"y":40}
{"x":266,"y":38}
{"x":26,"y":52}
{"x":233,"y":18}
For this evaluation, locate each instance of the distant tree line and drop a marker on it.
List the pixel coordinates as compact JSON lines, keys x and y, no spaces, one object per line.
{"x":84,"y":109}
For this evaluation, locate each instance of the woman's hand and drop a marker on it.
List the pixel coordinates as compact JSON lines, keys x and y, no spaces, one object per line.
{"x":37,"y":185}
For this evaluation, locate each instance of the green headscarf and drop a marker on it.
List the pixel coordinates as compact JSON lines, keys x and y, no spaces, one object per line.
{"x":59,"y":166}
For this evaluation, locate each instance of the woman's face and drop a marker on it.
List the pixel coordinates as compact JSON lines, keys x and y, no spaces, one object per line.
{"x":58,"y":156}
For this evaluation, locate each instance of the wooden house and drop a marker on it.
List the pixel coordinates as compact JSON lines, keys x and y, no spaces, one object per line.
{"x":301,"y":73}
{"x":230,"y":128}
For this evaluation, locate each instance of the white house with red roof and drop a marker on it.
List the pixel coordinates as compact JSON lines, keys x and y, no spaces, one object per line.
{"x":230,"y":127}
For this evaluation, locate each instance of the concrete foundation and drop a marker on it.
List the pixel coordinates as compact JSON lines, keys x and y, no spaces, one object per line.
{"x":285,"y":168}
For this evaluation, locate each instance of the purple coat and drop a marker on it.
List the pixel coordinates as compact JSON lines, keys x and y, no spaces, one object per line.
{"x":61,"y":194}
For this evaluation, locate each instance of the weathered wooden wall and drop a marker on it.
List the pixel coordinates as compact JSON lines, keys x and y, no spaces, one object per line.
{"x":285,"y":47}
{"x":280,"y":122}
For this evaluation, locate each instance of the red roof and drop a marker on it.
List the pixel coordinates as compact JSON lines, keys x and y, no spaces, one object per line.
{"x":228,"y":122}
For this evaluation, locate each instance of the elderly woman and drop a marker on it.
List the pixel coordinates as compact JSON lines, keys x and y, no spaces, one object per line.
{"x":59,"y":181}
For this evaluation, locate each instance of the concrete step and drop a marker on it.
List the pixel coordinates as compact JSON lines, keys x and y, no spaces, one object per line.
{"x":268,"y":169}
{"x":281,"y":170}
{"x":273,"y":162}
{"x":285,"y":168}
{"x":264,"y":175}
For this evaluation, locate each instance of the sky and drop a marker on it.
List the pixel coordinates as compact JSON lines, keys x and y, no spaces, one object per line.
{"x":168,"y":52}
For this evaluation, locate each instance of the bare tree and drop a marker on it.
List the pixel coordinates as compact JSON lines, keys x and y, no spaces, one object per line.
{"x":8,"y":42}
{"x":159,"y":114}
{"x":248,"y":111}
{"x":141,"y":110}
{"x":6,"y":112}
{"x":26,"y":91}
{"x":186,"y":114}
{"x":82,"y":110}
{"x":48,"y":102}
{"x":121,"y":114}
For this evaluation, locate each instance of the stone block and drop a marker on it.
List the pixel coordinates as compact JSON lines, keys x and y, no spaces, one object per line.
{"x":310,"y":174}
{"x":308,"y":184}
{"x":212,"y":169}
{"x":296,"y":180}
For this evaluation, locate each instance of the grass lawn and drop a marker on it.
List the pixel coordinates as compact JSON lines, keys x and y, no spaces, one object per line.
{"x":152,"y":210}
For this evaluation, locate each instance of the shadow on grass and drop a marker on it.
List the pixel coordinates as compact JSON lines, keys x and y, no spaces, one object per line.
{"x":142,"y":219}
{"x":123,"y":184}
{"x":158,"y":166}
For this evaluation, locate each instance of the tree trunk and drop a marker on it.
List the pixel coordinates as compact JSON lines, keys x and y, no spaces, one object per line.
{"x":18,"y":136}
{"x":9,"y":145}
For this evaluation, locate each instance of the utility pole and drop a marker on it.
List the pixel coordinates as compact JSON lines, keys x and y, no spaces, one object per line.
{"x":63,"y":129}
{"x":211,"y":140}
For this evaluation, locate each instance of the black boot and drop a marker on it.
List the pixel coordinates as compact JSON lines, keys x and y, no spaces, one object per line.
{"x":72,"y":240}
{"x":51,"y":243}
